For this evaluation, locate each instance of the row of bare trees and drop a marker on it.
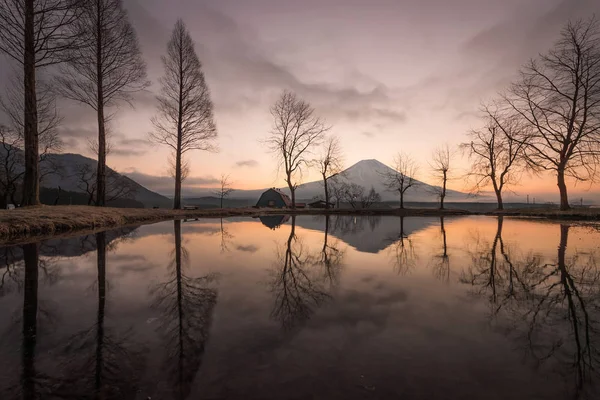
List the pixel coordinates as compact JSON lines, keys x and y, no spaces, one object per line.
{"x":548,"y":120}
{"x":97,"y":54}
{"x":299,"y":139}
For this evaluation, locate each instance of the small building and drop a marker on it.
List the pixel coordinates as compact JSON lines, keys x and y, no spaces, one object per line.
{"x":321,"y":204}
{"x":274,"y":198}
{"x":300,"y":205}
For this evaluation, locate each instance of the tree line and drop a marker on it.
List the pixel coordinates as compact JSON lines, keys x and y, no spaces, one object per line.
{"x":87,"y":51}
{"x":547,"y":120}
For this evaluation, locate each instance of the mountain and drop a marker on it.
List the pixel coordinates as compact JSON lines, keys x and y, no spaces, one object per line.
{"x":70,"y":164}
{"x":66,"y":172}
{"x":365,"y":173}
{"x":370,"y":173}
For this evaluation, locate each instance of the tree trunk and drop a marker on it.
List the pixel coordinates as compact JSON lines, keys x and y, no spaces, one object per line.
{"x":562,"y":188}
{"x":101,"y":257}
{"x":30,"y":309}
{"x":443,"y":194}
{"x":177,"y":199}
{"x":401,"y":199}
{"x":499,"y":199}
{"x":101,"y":169}
{"x":178,"y":155}
{"x":221,"y":199}
{"x":293,"y":192}
{"x":31,"y":179}
{"x":498,"y":192}
{"x":326,"y":192}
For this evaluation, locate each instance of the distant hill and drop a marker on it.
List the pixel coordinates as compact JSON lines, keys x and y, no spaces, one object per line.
{"x":67,"y":179}
{"x":67,"y":167}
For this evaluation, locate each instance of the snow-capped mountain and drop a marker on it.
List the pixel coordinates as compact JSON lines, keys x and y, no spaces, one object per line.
{"x":366,"y":173}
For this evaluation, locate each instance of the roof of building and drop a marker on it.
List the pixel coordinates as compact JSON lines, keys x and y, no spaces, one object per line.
{"x":285,"y":197}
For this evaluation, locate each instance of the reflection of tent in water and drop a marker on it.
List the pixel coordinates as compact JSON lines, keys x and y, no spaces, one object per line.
{"x":274,"y":221}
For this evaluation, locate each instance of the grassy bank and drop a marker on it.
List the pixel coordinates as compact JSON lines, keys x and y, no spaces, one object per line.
{"x":37,"y":223}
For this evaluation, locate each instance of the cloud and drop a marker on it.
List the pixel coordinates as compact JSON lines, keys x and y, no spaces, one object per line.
{"x":249,"y":249}
{"x":247,"y":163}
{"x":165,"y":183}
{"x":124,"y":152}
{"x":368,"y":134}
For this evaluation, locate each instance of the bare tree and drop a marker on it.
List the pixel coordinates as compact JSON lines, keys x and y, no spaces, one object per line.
{"x":495,"y":154}
{"x":440,"y":164}
{"x":352,"y":193}
{"x":117,"y":185}
{"x":330,"y":163}
{"x":12,"y":160}
{"x":296,"y":131}
{"x":48,"y":118}
{"x":337,"y":189}
{"x":225,"y":188}
{"x":401,"y":177}
{"x":33,"y":34}
{"x":105,"y":70}
{"x":185,"y":111}
{"x":558,"y":98}
{"x":11,"y":166}
{"x":370,"y":198}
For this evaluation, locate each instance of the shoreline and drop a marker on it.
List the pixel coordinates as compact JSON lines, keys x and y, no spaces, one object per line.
{"x":32,"y":224}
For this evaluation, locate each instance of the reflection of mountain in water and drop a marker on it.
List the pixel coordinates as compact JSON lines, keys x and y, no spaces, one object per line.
{"x":65,"y":247}
{"x":367,"y":234}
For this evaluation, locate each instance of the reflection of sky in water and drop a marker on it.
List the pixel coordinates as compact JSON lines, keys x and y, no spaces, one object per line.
{"x":233,"y":309}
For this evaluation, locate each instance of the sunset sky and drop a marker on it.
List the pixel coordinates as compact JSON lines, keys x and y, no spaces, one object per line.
{"x":387,"y":75}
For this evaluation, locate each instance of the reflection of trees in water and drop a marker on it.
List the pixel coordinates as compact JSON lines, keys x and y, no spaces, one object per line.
{"x":331,"y":257}
{"x":185,"y":305}
{"x":549,"y":309}
{"x":441,"y":260}
{"x":347,"y":224}
{"x":226,"y":238}
{"x":494,"y":272}
{"x":12,"y":269}
{"x":402,"y":251}
{"x":299,"y":287}
{"x":50,"y":252}
{"x":100,"y":362}
{"x":32,"y":384}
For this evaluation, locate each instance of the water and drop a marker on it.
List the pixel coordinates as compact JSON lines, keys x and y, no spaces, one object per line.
{"x":377,"y":308}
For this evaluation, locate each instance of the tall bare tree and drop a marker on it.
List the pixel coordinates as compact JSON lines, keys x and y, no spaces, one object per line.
{"x":330,"y":163}
{"x":440,"y":165}
{"x":495,"y":153}
{"x":117,"y":186}
{"x":296,"y":132}
{"x":33,"y":34}
{"x":12,"y":159}
{"x":185,"y":119}
{"x":401,"y":177}
{"x":105,"y":70}
{"x":225,"y":188}
{"x":558,"y":97}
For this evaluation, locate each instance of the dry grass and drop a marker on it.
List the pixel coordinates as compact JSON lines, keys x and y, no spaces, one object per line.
{"x":37,"y":223}
{"x":49,"y":221}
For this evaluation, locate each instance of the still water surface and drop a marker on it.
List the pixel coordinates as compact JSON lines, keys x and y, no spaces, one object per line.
{"x":305,"y":307}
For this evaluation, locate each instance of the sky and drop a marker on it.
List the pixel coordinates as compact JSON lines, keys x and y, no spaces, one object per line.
{"x":387,"y":75}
